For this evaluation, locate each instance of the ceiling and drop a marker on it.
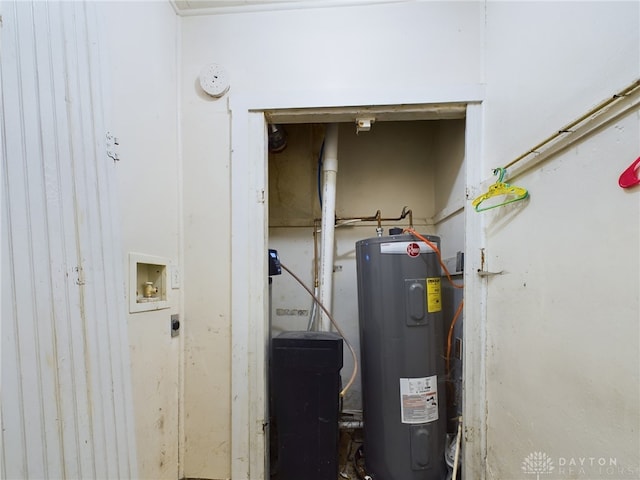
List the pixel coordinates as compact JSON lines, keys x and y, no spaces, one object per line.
{"x":207,"y":7}
{"x":191,"y":4}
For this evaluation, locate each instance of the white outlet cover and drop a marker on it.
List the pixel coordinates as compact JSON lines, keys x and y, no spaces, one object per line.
{"x":214,"y":80}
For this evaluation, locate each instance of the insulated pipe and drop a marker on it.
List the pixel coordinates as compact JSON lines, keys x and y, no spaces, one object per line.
{"x":329,"y":178}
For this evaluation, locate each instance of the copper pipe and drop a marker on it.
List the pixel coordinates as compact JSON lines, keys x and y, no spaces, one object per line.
{"x":375,"y":218}
{"x":567,"y":128}
{"x":315,"y":252}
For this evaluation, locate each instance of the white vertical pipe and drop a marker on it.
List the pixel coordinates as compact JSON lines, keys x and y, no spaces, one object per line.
{"x":329,"y":178}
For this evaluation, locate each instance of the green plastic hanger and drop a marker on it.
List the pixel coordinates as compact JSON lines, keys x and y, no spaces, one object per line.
{"x":511,"y":193}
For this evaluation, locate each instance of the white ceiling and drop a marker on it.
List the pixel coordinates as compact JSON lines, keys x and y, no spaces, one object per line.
{"x":207,"y":7}
{"x":191,"y":4}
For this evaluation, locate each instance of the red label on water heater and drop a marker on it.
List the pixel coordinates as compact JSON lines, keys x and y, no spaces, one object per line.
{"x":413,"y":249}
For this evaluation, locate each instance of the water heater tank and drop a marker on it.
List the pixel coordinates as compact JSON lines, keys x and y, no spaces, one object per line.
{"x":402,"y":355}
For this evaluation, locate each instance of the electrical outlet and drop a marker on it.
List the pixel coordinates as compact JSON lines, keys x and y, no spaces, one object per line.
{"x":175,"y":325}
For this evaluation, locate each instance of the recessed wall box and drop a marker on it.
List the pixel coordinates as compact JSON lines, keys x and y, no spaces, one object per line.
{"x":148,"y":283}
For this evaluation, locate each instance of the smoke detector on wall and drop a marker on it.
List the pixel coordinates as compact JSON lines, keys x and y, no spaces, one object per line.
{"x":214,"y":80}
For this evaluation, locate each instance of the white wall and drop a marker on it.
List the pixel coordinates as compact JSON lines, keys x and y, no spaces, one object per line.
{"x":142,"y":42}
{"x":291,"y":54}
{"x":562,"y":321}
{"x":66,"y":384}
{"x":207,"y":272}
{"x":543,"y":64}
{"x":449,"y":173}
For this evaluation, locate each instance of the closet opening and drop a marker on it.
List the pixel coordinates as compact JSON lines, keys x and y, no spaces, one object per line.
{"x":395,"y":172}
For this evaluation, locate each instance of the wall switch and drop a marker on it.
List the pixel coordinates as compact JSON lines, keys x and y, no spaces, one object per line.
{"x":175,"y":277}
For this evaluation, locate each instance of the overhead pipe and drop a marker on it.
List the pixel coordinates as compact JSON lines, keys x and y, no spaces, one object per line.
{"x":569,"y":128}
{"x":329,"y":180}
{"x":379,"y":219}
{"x":341,"y":222}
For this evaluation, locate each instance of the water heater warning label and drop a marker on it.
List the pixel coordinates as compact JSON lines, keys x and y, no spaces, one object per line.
{"x":434,"y":295}
{"x":419,"y":399}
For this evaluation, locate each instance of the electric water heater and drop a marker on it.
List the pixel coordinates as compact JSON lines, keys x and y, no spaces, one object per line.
{"x":402,"y":356}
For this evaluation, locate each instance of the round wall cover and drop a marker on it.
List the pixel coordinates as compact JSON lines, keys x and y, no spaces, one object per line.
{"x":213,"y":80}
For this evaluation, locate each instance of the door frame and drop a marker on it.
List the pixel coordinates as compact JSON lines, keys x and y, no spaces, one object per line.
{"x":249,"y":242}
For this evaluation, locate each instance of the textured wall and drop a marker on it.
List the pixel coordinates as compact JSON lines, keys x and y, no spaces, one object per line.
{"x":66,"y":392}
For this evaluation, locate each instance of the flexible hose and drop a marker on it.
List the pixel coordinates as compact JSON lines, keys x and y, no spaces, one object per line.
{"x":450,"y":335}
{"x":335,"y":325}
{"x":312,"y":315}
{"x":434,"y":247}
{"x":457,"y":314}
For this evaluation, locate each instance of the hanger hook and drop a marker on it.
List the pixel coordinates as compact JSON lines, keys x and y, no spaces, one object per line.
{"x":501,"y":172}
